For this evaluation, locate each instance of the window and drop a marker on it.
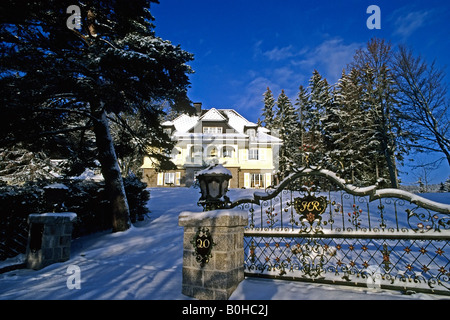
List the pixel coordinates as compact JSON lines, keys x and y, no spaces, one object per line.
{"x":212,"y":130}
{"x":196,"y":151}
{"x":169,"y":178}
{"x":176,"y":154}
{"x":256,"y":180}
{"x":253,"y":154}
{"x":212,"y":152}
{"x":227,"y":152}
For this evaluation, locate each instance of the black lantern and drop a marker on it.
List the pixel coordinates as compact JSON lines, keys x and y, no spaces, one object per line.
{"x":214,"y":186}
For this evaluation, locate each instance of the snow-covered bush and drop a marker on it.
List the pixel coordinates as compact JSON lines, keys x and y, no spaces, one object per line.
{"x":137,"y":197}
{"x":16,"y":203}
{"x":87,"y":198}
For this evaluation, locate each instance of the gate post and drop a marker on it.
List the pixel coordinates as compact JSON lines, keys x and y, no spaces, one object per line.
{"x":213,"y":253}
{"x":49,"y":238}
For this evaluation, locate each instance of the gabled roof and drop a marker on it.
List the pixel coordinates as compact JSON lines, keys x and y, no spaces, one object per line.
{"x":184,"y":123}
{"x":212,"y":115}
{"x":236,"y":121}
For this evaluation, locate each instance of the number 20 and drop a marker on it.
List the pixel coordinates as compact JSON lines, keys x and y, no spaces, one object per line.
{"x":203,"y":244}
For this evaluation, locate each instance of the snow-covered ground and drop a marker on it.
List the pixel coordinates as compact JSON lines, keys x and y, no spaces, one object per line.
{"x":145,"y":262}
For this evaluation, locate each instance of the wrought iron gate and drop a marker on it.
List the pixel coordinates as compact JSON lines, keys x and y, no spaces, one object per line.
{"x":316,"y":227}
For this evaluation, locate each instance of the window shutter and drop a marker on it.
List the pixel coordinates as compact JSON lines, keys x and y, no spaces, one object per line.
{"x":160,"y":179}
{"x":268,"y":179}
{"x":246,"y":180}
{"x":243,"y":154}
{"x":262,"y":154}
{"x":178,"y":178}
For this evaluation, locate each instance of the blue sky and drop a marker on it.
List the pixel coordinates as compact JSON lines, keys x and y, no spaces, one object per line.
{"x":242,"y":47}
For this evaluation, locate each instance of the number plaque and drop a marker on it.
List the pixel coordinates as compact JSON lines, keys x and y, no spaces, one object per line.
{"x":203,"y":244}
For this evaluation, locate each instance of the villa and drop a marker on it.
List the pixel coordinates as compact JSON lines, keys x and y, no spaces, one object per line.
{"x":222,"y":136}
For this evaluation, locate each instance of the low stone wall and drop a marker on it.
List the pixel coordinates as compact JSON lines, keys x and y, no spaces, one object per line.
{"x":213,"y":253}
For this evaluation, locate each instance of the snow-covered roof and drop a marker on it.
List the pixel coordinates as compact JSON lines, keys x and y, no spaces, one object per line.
{"x":267,"y":138}
{"x":184,"y":123}
{"x":212,"y":115}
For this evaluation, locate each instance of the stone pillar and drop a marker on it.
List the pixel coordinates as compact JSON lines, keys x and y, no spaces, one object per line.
{"x":49,"y":238}
{"x":217,"y":276}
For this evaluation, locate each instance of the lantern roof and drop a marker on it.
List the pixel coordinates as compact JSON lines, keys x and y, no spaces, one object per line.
{"x":216,"y":169}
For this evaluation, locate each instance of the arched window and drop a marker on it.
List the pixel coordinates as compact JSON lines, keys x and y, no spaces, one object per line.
{"x":196,"y":151}
{"x":213,"y":152}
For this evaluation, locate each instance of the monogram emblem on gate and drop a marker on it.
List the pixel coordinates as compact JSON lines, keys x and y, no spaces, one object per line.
{"x":310,"y":208}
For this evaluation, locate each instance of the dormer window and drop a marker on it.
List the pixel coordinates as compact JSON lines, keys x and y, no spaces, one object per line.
{"x":212,"y":130}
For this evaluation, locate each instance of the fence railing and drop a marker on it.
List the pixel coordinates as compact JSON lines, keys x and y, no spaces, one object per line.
{"x":316,"y":227}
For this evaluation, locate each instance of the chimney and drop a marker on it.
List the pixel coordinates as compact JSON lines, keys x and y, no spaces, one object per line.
{"x":198,"y":108}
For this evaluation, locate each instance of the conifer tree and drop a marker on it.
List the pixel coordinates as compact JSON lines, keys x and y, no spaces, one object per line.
{"x":377,"y":80}
{"x":268,"y":110}
{"x":354,"y":144}
{"x":56,"y":78}
{"x":302,"y":105}
{"x":289,"y":133}
{"x":320,"y":101}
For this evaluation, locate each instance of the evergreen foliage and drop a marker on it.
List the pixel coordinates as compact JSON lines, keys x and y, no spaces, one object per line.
{"x":358,"y":127}
{"x":288,"y":128}
{"x":87,"y":198}
{"x":268,"y":113}
{"x":56,"y":81}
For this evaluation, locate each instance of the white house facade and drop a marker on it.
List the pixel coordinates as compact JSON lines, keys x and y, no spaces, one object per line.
{"x":220,"y":136}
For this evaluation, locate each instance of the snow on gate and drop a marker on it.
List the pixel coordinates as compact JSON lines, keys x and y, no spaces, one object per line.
{"x":314,"y":227}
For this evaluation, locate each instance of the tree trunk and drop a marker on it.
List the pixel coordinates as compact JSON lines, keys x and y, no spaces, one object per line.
{"x":111,"y":173}
{"x":390,"y":164}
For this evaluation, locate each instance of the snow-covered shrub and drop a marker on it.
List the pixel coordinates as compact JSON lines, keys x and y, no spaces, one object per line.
{"x":16,"y":203}
{"x":137,"y":196}
{"x":87,"y":198}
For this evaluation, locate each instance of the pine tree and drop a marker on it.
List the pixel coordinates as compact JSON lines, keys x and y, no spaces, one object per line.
{"x":377,"y":80}
{"x":268,"y":110}
{"x":320,"y":101}
{"x":447,"y":184}
{"x":56,"y":79}
{"x":302,"y":103}
{"x":289,"y":133}
{"x":354,"y":145}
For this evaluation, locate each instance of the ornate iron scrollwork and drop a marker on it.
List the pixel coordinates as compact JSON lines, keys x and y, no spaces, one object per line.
{"x":203,"y":243}
{"x":316,"y":226}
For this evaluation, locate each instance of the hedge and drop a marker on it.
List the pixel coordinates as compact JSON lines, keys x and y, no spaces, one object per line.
{"x":86,"y":198}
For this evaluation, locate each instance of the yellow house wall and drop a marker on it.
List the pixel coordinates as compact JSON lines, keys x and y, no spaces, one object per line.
{"x":240,"y":158}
